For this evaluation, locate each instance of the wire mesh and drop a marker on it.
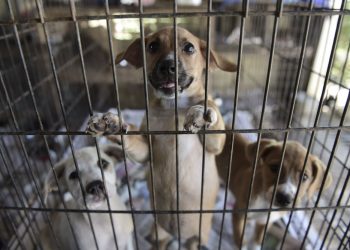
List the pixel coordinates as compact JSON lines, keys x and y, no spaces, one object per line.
{"x":57,"y":68}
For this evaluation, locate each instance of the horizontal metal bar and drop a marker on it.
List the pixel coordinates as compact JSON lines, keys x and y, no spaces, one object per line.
{"x":156,"y":132}
{"x":281,"y":56}
{"x":20,"y":32}
{"x":316,"y":12}
{"x":49,"y":77}
{"x":328,"y":150}
{"x":189,"y":211}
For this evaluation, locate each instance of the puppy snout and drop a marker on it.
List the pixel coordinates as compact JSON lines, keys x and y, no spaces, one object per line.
{"x":95,"y":187}
{"x":283,"y":199}
{"x":166,"y":67}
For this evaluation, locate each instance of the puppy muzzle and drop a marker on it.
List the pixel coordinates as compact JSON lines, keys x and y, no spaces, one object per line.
{"x":162,"y":78}
{"x":283,"y":199}
{"x":97,"y":190}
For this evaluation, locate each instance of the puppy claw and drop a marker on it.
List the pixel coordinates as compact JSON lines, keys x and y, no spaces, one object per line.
{"x":196,"y":119}
{"x":95,"y":125}
{"x":105,"y":124}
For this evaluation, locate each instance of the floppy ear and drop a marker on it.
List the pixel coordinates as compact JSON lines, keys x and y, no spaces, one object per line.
{"x":114,"y":151}
{"x":50,"y":180}
{"x":133,"y":54}
{"x":216,"y":60}
{"x":318,"y":171}
{"x":266,"y":146}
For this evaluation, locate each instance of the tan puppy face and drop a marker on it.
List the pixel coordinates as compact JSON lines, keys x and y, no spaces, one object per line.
{"x":269,"y":161}
{"x":94,"y":190}
{"x":160,"y":60}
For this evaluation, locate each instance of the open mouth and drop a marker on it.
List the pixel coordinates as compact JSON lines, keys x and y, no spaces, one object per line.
{"x":167,"y":85}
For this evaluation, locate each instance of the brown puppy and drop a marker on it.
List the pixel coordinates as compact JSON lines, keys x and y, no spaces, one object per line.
{"x":192,"y":117}
{"x":269,"y":157}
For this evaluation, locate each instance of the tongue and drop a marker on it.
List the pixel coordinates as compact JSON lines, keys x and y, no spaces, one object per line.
{"x":168,"y":85}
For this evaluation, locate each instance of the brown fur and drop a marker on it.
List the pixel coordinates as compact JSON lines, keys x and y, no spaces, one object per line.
{"x":190,"y":149}
{"x":269,"y":155}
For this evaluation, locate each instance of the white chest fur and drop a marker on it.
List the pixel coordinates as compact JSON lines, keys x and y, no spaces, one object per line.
{"x":261,"y":202}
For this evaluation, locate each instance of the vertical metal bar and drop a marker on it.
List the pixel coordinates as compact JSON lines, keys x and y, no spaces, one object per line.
{"x":348,"y":175}
{"x":297,"y":190}
{"x":111,"y":50}
{"x":26,"y":156}
{"x":275,"y":187}
{"x":327,"y":132}
{"x":150,"y":155}
{"x":58,"y":89}
{"x":40,"y":10}
{"x":330,"y":64}
{"x":175,"y":42}
{"x":347,"y":201}
{"x":6,"y":221}
{"x":12,"y":196}
{"x":208,"y":40}
{"x":73,"y":13}
{"x":289,"y":122}
{"x":344,"y":235}
{"x":26,"y":161}
{"x":317,"y":88}
{"x":37,"y":114}
{"x":245,"y":5}
{"x":10,"y":91}
{"x":291,"y":68}
{"x":20,"y":199}
{"x":15,"y":231}
{"x":279,"y":7}
{"x":5,"y":218}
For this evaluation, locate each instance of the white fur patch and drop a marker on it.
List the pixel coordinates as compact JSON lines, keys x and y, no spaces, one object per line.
{"x":288,"y":187}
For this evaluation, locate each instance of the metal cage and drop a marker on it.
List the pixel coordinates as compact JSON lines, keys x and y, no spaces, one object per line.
{"x":57,"y":68}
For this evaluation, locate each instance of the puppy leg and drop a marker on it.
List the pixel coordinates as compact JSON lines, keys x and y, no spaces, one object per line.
{"x":258,"y":236}
{"x":193,"y":243}
{"x":196,"y":119}
{"x":109,"y":124}
{"x":165,"y":240}
{"x":238,"y":223}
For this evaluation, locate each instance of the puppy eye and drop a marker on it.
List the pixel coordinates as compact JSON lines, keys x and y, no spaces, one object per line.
{"x":74,"y":175}
{"x":274,"y":168}
{"x":153,"y":47}
{"x":104,"y":163}
{"x":305,"y":177}
{"x":189,"y":48}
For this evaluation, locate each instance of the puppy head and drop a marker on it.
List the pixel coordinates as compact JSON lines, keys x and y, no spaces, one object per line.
{"x":161,"y":61}
{"x":269,"y":157}
{"x":94,"y":190}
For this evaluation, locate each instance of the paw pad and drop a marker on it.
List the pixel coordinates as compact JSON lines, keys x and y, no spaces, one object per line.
{"x":105,"y":124}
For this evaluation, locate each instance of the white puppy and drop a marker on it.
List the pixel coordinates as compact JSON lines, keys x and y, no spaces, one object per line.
{"x":95,"y":192}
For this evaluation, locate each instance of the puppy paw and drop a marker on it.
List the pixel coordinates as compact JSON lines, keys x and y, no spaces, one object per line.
{"x":196,"y":119}
{"x":105,"y":124}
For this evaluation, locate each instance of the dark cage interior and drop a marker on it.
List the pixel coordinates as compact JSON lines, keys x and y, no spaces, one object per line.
{"x":57,"y":68}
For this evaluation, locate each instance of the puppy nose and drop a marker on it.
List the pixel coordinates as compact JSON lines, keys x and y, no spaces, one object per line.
{"x":167,"y":67}
{"x":283,"y":199}
{"x":95,"y":187}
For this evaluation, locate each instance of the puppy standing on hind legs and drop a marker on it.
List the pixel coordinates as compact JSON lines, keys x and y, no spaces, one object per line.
{"x":191,"y":114}
{"x":267,"y":167}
